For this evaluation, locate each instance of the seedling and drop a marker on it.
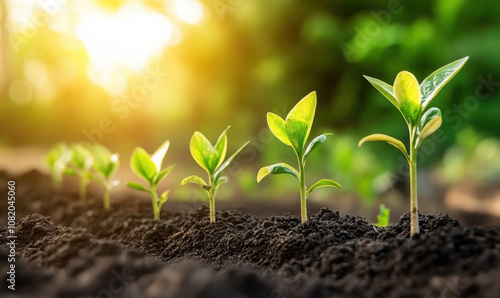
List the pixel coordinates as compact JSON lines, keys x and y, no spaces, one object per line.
{"x":57,"y":159}
{"x":294,"y":131}
{"x":412,"y":100}
{"x":149,"y":167}
{"x":210,"y":158}
{"x":79,"y":165}
{"x":105,"y":165}
{"x":383,"y":217}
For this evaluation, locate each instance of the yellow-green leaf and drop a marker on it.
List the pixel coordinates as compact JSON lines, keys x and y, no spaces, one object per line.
{"x":429,"y":123}
{"x":142,"y":165}
{"x":137,"y":186}
{"x":279,"y":168}
{"x":407,"y":92}
{"x":385,"y":89}
{"x":221,"y":169}
{"x":381,"y":137}
{"x":277,"y":126}
{"x":194,"y":179}
{"x":221,"y":147}
{"x":158,"y":156}
{"x":300,"y":119}
{"x":315,"y":143}
{"x":203,"y":152}
{"x":323,"y":183}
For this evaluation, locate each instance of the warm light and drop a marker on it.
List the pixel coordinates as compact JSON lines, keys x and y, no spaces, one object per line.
{"x":121,"y":41}
{"x":189,"y":11}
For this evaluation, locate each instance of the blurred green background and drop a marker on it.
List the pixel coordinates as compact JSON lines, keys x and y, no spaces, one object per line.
{"x":134,"y":73}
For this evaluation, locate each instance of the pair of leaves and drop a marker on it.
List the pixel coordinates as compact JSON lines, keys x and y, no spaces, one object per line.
{"x":283,"y":168}
{"x":210,"y":158}
{"x":149,"y":166}
{"x":295,"y":129}
{"x":105,"y":162}
{"x":57,"y":159}
{"x":81,"y":158}
{"x":410,"y":98}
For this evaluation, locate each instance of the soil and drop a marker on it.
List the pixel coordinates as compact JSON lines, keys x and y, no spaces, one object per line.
{"x":70,"y":248}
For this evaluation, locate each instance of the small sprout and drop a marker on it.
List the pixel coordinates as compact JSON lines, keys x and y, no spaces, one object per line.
{"x":149,"y":167}
{"x":105,"y":165}
{"x":57,"y":159}
{"x":210,"y":158}
{"x":294,"y":131}
{"x":79,"y":165}
{"x":412,"y":99}
{"x":383,"y":217}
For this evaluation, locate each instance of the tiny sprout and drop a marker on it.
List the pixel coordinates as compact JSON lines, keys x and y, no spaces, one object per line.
{"x":105,"y":165}
{"x":294,"y":131}
{"x":412,"y":99}
{"x":57,"y":159}
{"x":149,"y":167}
{"x":79,"y":165}
{"x":383,"y":216}
{"x":210,"y":158}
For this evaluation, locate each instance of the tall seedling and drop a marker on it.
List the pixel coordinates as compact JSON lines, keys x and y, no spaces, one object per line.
{"x":149,"y":167}
{"x":294,"y":131}
{"x":412,"y":100}
{"x":210,"y":158}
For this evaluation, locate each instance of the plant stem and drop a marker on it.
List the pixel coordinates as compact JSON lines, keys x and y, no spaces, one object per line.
{"x":155,"y":199}
{"x":303,"y":192}
{"x":414,"y":228}
{"x":211,"y":199}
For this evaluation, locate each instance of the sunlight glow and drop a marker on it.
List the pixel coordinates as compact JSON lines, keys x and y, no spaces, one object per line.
{"x":189,"y":11}
{"x":122,"y":41}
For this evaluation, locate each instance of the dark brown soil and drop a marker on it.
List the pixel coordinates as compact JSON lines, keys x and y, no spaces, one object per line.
{"x":85,"y":251}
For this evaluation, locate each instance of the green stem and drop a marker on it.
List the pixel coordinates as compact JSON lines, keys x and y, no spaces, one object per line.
{"x":303,"y":191}
{"x":211,"y":199}
{"x":155,"y":199}
{"x":414,"y":225}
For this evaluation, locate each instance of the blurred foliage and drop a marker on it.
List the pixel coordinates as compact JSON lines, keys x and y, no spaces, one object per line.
{"x":242,"y":59}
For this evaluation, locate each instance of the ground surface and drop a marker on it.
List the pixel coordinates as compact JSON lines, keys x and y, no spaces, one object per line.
{"x":70,"y":248}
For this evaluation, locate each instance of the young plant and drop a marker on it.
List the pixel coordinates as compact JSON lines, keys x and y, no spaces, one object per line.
{"x":149,"y":167}
{"x":79,"y":165}
{"x":412,"y":99}
{"x":294,"y":131}
{"x":383,"y":216}
{"x":105,"y":165}
{"x":57,"y":159}
{"x":210,"y":158}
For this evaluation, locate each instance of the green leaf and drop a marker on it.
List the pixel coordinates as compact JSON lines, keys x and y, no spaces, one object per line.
{"x":383,"y":217}
{"x":163,"y":174}
{"x":221,"y":169}
{"x":430,"y":122}
{"x":277,"y":127}
{"x":279,"y":168}
{"x":407,"y":94}
{"x":221,"y":147}
{"x":164,"y":197}
{"x":315,"y":143}
{"x":142,"y":165}
{"x":436,"y":81}
{"x":299,"y":121}
{"x":384,"y":88}
{"x":220,"y":181}
{"x":158,"y":156}
{"x":105,"y":162}
{"x":137,"y":186}
{"x":81,"y":159}
{"x":203,"y":152}
{"x":194,"y":179}
{"x":323,"y":183}
{"x":392,"y":141}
